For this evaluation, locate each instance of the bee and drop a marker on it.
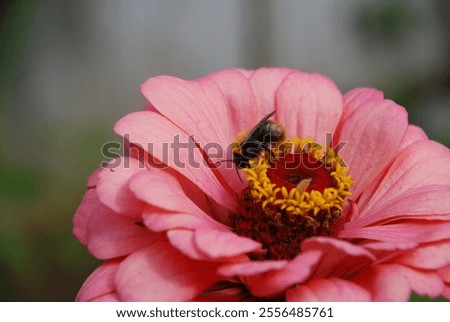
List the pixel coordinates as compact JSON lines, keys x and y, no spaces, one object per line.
{"x":259,"y":138}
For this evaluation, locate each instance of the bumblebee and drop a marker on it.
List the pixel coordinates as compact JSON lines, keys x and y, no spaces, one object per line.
{"x":260,"y":138}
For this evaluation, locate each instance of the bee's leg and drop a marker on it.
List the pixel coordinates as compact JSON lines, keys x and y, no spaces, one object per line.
{"x":237,"y":171}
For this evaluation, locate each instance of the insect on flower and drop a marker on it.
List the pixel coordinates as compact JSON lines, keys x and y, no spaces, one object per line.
{"x":260,"y":138}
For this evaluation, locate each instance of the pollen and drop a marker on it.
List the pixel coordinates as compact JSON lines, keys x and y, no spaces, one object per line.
{"x":299,"y":193}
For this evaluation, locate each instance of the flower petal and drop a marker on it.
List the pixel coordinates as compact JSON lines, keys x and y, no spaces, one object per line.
{"x":415,"y":231}
{"x":221,"y":244}
{"x":356,"y":98}
{"x":111,"y":297}
{"x":87,"y":207}
{"x":183,"y":240}
{"x":392,"y":283}
{"x":146,"y":128}
{"x":308,"y":105}
{"x":414,"y":167}
{"x":339,"y":256}
{"x":93,"y":178}
{"x":196,"y":110}
{"x":251,"y":268}
{"x":274,"y":282}
{"x":265,"y":83}
{"x":225,"y":293}
{"x":161,"y":273}
{"x":328,"y":290}
{"x":112,"y":235}
{"x":373,"y":134}
{"x":412,"y":135}
{"x":162,"y":190}
{"x":240,"y":98}
{"x":99,"y":283}
{"x":112,"y":186}
{"x":429,"y":202}
{"x":432,"y":256}
{"x":445,"y":275}
{"x":162,"y":222}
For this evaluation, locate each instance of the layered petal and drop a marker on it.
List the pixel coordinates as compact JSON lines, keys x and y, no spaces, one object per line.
{"x":112,"y":186}
{"x":338,"y":256}
{"x":88,"y":206}
{"x":154,"y":132}
{"x":275,"y":282}
{"x":112,"y":235}
{"x":395,"y":282}
{"x":265,"y":83}
{"x":196,"y":108}
{"x":414,"y":231}
{"x":100,"y":284}
{"x":240,"y":99}
{"x":161,"y":273}
{"x":308,"y":105}
{"x":197,"y":244}
{"x":414,"y":167}
{"x":373,"y":134}
{"x":328,"y":290}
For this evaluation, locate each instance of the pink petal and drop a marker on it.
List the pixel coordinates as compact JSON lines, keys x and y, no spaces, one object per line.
{"x":386,"y":252}
{"x":221,"y":244}
{"x":112,"y":235}
{"x":328,"y":290}
{"x":247,"y":73}
{"x":93,"y":178}
{"x":418,"y":232}
{"x":356,"y":98}
{"x":197,"y":109}
{"x":338,"y":256}
{"x":144,"y":128}
{"x":111,"y":297}
{"x":99,"y":283}
{"x":414,"y":167}
{"x":112,"y":186}
{"x":87,"y":207}
{"x":183,"y":240}
{"x":265,"y":83}
{"x":162,"y":222}
{"x":445,"y":275}
{"x":274,"y":282}
{"x":429,"y":202}
{"x":395,"y":282}
{"x":251,"y":268}
{"x":240,"y":98}
{"x":208,"y":244}
{"x":162,"y":190}
{"x":373,"y":134}
{"x":161,"y":273}
{"x":412,"y":135}
{"x":432,"y":256}
{"x":308,"y":105}
{"x":227,"y":294}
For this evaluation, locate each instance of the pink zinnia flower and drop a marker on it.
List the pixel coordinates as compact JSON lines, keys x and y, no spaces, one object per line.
{"x":366,"y":218}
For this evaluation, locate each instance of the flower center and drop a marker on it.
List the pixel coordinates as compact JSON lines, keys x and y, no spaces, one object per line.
{"x":298,"y":195}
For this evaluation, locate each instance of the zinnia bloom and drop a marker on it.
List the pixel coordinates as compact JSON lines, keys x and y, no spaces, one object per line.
{"x":354,"y":205}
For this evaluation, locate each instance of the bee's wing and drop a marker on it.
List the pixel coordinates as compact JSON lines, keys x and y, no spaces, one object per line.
{"x":253,"y":131}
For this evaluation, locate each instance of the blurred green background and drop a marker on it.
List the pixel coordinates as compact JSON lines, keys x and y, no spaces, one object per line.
{"x":70,"y":69}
